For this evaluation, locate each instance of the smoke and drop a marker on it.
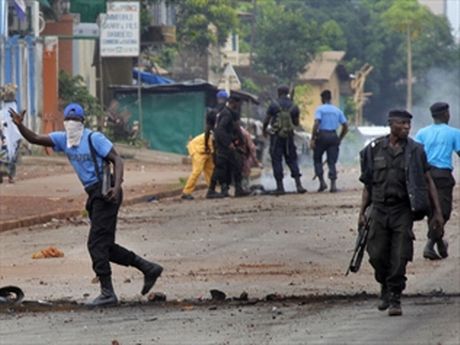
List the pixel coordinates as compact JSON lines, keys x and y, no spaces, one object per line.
{"x":441,"y":86}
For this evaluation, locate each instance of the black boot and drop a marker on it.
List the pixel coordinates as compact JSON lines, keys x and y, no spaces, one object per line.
{"x":322,"y":184}
{"x":442,"y":248}
{"x":299,"y":186}
{"x":395,"y":304}
{"x":333,"y":187}
{"x":279,"y":187}
{"x":107,"y":296}
{"x":384,"y":298}
{"x":224,"y":190}
{"x":240,"y":191}
{"x":151,"y":272}
{"x":428,"y":251}
{"x":212,"y":194}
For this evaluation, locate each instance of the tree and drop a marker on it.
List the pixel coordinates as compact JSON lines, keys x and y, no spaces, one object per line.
{"x":195,"y":20}
{"x":410,"y":18}
{"x":286,"y":43}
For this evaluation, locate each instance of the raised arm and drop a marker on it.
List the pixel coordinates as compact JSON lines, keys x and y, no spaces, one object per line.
{"x":30,"y":136}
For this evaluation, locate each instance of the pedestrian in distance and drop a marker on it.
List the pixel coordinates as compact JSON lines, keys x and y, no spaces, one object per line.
{"x":12,"y":136}
{"x":86,"y":152}
{"x":324,"y":139}
{"x":397,"y":182}
{"x":283,"y":116}
{"x":440,"y":141}
{"x":202,"y":162}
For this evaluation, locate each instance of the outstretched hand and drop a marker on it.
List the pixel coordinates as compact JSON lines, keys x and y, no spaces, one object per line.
{"x":17,"y":117}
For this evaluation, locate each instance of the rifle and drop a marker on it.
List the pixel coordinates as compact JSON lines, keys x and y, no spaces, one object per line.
{"x":360,"y":246}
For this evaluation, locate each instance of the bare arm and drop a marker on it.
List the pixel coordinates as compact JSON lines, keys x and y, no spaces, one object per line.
{"x":117,"y":162}
{"x":30,"y":136}
{"x":314,"y":134}
{"x":365,"y":202}
{"x":266,"y":122}
{"x":433,"y":193}
{"x":343,"y":131}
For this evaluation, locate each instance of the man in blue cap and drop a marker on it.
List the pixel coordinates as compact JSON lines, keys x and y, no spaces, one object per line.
{"x":398,"y":184}
{"x":87,"y":151}
{"x":439,"y":141}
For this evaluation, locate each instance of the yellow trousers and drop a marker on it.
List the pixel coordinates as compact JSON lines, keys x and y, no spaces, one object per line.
{"x":201,"y":163}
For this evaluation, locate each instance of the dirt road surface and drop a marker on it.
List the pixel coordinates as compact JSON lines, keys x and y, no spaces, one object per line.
{"x":290,"y":245}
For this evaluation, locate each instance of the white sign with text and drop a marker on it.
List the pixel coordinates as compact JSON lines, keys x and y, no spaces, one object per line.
{"x":120,"y":30}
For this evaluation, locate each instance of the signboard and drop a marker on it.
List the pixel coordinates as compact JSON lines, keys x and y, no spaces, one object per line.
{"x":120,"y":30}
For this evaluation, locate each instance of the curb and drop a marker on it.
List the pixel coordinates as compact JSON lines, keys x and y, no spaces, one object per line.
{"x":44,"y":218}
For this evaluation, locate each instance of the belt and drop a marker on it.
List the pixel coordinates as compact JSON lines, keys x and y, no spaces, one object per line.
{"x":328,"y":130}
{"x":95,"y":186}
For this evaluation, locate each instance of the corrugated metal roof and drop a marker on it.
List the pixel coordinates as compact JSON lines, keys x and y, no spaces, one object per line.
{"x":323,"y":66}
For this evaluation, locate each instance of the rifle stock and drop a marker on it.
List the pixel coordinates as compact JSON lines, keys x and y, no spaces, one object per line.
{"x":360,"y":246}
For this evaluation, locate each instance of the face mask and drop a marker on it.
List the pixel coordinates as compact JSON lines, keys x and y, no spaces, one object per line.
{"x":74,"y":131}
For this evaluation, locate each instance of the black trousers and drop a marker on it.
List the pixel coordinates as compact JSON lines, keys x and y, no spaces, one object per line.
{"x":101,"y":239}
{"x":390,"y":244}
{"x":444,"y":182}
{"x":228,"y":166}
{"x":328,"y":142}
{"x":283,"y":147}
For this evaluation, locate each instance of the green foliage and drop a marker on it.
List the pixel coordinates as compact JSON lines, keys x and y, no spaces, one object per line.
{"x":407,"y":16}
{"x":73,"y":89}
{"x":285,"y":42}
{"x":200,"y":23}
{"x":249,"y":86}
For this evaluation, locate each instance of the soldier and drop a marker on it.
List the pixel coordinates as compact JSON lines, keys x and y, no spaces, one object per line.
{"x":283,"y":116}
{"x":440,"y":141}
{"x":397,"y":182}
{"x":228,"y":136}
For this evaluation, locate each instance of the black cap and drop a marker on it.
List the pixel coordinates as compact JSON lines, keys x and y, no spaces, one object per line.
{"x":401,"y":114}
{"x":235,"y":97}
{"x":439,"y":108}
{"x":326,"y":94}
{"x":283,"y":90}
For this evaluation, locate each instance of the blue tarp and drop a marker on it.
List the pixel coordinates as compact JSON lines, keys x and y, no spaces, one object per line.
{"x":151,"y":79}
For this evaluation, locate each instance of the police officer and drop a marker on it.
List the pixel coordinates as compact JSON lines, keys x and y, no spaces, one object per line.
{"x":397,"y":182}
{"x":440,"y":141}
{"x":283,"y":116}
{"x":102,"y":209}
{"x":324,"y":139}
{"x":211,"y":120}
{"x":228,"y":137}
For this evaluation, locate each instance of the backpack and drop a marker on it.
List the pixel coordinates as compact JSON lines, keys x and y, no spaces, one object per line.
{"x":283,"y":125}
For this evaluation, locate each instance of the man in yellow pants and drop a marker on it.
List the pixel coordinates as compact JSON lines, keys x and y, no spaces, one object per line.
{"x":202,"y":162}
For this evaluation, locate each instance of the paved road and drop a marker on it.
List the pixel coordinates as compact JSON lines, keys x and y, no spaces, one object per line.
{"x":426,"y":321}
{"x":291,"y":245}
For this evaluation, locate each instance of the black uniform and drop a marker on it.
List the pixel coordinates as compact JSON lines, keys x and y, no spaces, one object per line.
{"x":283,"y":146}
{"x":399,"y":195}
{"x":227,"y":162}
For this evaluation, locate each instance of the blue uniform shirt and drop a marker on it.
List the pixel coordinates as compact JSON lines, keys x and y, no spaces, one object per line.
{"x":80,"y":156}
{"x":330,"y":117}
{"x":439,"y":141}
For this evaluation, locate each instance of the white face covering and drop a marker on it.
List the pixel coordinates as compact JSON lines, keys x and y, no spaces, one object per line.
{"x":74,"y":131}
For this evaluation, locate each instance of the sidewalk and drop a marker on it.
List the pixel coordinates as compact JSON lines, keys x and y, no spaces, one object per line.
{"x":59,"y":194}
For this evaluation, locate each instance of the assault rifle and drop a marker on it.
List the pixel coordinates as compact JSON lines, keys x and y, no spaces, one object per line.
{"x":360,"y":246}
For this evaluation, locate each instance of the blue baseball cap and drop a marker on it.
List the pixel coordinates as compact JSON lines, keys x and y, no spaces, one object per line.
{"x":222,"y":94}
{"x":74,"y":109}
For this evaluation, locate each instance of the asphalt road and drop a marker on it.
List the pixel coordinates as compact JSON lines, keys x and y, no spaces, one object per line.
{"x":426,"y":321}
{"x":291,"y":245}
